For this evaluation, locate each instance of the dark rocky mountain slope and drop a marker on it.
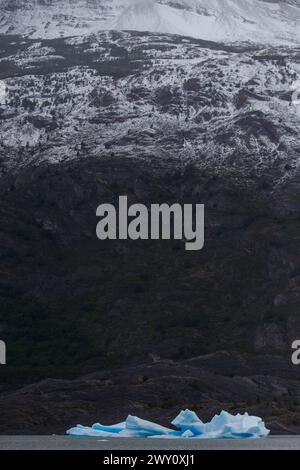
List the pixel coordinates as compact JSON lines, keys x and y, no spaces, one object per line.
{"x":160,"y":118}
{"x":73,"y":305}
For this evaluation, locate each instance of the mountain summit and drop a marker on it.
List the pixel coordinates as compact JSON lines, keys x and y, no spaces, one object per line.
{"x":262,"y":21}
{"x":216,"y":20}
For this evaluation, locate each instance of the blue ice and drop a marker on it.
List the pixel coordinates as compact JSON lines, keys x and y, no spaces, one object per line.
{"x":188,"y":426}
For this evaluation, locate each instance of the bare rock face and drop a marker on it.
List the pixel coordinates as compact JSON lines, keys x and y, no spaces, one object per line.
{"x":293,"y":327}
{"x":153,"y":341}
{"x":270,"y":337}
{"x":165,"y":388}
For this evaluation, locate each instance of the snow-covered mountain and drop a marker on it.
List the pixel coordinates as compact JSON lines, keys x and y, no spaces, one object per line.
{"x":217,"y":20}
{"x":152,"y":95}
{"x":54,"y":18}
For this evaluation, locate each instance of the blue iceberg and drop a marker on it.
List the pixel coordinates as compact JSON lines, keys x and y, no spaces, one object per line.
{"x":188,"y":426}
{"x":115,"y":428}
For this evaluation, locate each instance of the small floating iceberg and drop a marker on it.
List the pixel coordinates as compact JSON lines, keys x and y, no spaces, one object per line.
{"x":188,"y":426}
